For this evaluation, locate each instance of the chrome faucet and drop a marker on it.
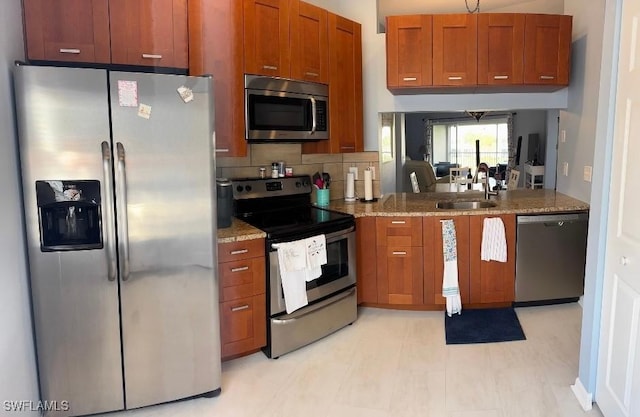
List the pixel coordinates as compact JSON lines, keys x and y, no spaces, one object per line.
{"x":483,"y":167}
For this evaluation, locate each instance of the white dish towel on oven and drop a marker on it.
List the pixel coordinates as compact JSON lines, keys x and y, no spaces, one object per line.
{"x":450,"y":287}
{"x":494,"y":242}
{"x":299,"y":262}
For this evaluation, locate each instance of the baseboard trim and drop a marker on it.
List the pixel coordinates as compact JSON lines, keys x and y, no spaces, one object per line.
{"x":584,"y":398}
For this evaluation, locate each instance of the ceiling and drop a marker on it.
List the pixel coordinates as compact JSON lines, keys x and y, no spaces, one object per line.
{"x":403,"y":7}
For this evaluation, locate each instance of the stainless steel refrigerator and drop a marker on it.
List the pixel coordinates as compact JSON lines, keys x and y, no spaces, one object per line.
{"x":119,"y":196}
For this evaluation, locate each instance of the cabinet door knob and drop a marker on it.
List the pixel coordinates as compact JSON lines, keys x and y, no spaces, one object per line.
{"x":270,"y":67}
{"x":151,"y":56}
{"x":239,"y":251}
{"x":500,"y":77}
{"x":455,"y":78}
{"x":410,"y":79}
{"x":398,"y":253}
{"x":312,"y":74}
{"x":547,"y":77}
{"x":398,"y":222}
{"x":240,"y":308}
{"x":240,"y":269}
{"x":69,"y":51}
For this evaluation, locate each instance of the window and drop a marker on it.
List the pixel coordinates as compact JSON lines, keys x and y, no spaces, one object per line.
{"x":456,"y":141}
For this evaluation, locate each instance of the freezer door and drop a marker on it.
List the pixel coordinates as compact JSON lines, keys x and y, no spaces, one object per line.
{"x":165,"y":193}
{"x":63,"y":117}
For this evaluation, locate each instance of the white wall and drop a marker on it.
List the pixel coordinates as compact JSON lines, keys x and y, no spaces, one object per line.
{"x":579,"y":118}
{"x":17,"y":360}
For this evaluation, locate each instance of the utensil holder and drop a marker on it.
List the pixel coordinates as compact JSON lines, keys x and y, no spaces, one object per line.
{"x":322,"y":197}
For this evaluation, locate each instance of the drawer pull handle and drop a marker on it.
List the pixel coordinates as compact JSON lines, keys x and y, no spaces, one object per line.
{"x":69,"y":51}
{"x":398,"y":253}
{"x":270,"y":67}
{"x":240,"y":269}
{"x":500,"y":77}
{"x":151,"y":56}
{"x":547,"y":77}
{"x":347,"y":147}
{"x":222,"y":150}
{"x":239,"y":251}
{"x":410,"y":79}
{"x":312,"y":74}
{"x":240,"y":308}
{"x":398,"y":222}
{"x":455,"y":78}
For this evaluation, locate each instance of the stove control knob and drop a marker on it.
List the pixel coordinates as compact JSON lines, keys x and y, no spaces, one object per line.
{"x":248,"y":188}
{"x":239,"y":188}
{"x":298,"y":184}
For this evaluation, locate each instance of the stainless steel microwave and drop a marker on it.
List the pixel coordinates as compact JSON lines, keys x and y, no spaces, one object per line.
{"x":278,"y":110}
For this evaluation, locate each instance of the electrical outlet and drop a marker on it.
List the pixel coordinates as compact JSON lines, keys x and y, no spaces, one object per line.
{"x":565,"y":169}
{"x":588,"y":170}
{"x":373,"y":172}
{"x":355,"y":172}
{"x":563,"y":136}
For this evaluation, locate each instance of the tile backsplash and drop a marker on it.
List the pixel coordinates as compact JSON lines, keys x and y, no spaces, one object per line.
{"x":337,"y":165}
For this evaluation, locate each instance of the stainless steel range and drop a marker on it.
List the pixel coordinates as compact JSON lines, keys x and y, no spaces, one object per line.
{"x":282,"y":208}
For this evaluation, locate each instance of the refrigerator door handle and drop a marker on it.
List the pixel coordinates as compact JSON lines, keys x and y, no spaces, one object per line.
{"x":109,"y":217}
{"x":121,"y":198}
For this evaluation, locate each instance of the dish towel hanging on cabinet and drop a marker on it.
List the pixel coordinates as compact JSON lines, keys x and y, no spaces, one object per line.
{"x":494,"y":242}
{"x":450,"y":288}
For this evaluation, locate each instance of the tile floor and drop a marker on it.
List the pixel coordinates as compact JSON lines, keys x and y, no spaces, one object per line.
{"x":396,"y":363}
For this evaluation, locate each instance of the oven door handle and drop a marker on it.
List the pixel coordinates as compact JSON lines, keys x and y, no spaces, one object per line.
{"x":331,"y":237}
{"x":301,"y":313}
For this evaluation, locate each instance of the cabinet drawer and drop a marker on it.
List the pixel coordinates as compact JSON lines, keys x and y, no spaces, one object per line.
{"x":242,"y":278}
{"x":399,"y":231}
{"x":242,"y":325}
{"x":234,"y":251}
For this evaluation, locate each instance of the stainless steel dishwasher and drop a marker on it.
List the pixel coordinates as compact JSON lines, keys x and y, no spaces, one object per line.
{"x":551,"y":251}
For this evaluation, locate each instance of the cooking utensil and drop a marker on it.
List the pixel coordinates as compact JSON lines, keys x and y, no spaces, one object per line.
{"x":326,"y":178}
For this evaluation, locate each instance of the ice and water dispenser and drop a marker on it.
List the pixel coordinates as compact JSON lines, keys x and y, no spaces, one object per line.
{"x":69,"y":215}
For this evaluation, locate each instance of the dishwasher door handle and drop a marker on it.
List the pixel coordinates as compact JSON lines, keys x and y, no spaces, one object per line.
{"x":553,"y":219}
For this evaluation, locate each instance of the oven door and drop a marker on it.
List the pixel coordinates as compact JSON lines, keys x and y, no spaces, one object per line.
{"x":338,"y":274}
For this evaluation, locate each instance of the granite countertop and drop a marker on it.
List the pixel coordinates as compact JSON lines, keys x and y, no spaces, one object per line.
{"x":239,"y":231}
{"x":519,"y":201}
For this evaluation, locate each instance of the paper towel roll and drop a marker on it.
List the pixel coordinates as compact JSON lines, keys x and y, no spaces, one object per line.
{"x":349,"y":192}
{"x":368,"y":185}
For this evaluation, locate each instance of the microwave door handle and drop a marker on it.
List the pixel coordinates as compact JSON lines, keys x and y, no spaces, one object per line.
{"x":122,"y":212}
{"x":109,"y":215}
{"x":314,"y":122}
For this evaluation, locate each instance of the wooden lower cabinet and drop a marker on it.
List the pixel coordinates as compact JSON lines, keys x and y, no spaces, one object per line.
{"x":243,"y":322}
{"x":434,"y":258}
{"x":242,"y":325}
{"x":366,"y":256}
{"x":492,"y":282}
{"x":399,"y":260}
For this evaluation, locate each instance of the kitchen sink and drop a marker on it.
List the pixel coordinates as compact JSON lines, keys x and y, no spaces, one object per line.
{"x":465,"y":205}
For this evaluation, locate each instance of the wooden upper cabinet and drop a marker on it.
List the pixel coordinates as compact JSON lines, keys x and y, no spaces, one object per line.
{"x":547,"y":49}
{"x":345,"y":89}
{"x":409,"y":51}
{"x":149,"y":32}
{"x":492,"y":281}
{"x":500,"y":48}
{"x":216,"y":48}
{"x":266,"y":37}
{"x":67,"y":30}
{"x":455,"y":50}
{"x":309,"y":43}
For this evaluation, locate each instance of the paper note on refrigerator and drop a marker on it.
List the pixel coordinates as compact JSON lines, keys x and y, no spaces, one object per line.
{"x":127,"y":93}
{"x":144,"y":111}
